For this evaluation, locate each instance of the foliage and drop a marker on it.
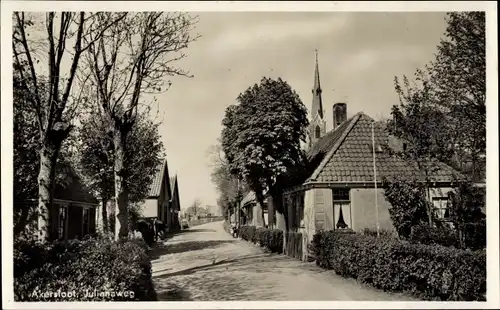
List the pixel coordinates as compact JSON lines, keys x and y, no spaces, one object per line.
{"x":466,"y":213}
{"x":131,"y":59}
{"x":383,"y":233}
{"x":261,"y":135}
{"x":430,"y":272}
{"x":81,"y":266}
{"x":409,"y":205}
{"x":271,"y":239}
{"x":231,"y":190}
{"x":52,"y":99}
{"x":143,"y":156}
{"x":443,"y":113}
{"x":442,"y":235}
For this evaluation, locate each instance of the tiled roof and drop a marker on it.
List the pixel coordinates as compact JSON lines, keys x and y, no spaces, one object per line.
{"x":74,"y":189}
{"x":325,"y":143}
{"x":349,"y":155}
{"x":155,"y":188}
{"x":249,"y":198}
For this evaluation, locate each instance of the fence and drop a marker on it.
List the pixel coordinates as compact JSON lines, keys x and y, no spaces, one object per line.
{"x":294,"y":245}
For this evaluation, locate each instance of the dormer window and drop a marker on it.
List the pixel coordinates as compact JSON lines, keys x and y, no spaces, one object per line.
{"x":317,"y":132}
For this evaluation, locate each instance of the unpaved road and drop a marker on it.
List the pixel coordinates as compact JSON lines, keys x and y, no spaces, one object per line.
{"x":205,"y":263}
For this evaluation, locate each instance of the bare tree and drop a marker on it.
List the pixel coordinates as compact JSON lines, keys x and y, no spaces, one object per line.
{"x":130,"y":59}
{"x":50,"y":91}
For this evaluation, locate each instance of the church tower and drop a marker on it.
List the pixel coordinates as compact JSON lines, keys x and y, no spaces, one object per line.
{"x":317,"y":126}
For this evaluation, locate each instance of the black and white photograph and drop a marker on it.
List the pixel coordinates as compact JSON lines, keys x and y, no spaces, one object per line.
{"x":295,"y":155}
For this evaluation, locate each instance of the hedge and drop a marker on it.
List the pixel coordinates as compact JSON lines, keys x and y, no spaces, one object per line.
{"x":271,"y":239}
{"x":430,"y":272}
{"x":57,"y":272}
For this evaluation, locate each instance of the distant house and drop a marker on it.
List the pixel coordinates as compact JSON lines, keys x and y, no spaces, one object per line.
{"x":156,"y":205}
{"x":253,"y":211}
{"x":175,"y":206}
{"x":73,"y":212}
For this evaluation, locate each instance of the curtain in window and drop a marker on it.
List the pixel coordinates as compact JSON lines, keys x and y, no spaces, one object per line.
{"x":342,"y":215}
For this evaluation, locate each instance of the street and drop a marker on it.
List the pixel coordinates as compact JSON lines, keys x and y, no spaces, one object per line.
{"x":204,"y":263}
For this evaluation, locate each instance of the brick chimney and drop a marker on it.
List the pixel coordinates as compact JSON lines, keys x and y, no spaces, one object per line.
{"x":339,"y":114}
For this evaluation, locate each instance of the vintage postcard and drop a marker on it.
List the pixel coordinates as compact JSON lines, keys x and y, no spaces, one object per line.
{"x":249,"y":155}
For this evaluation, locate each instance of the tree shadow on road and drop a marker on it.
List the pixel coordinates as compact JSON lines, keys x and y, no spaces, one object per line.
{"x":238,"y":261}
{"x":171,"y":248}
{"x":173,"y":293}
{"x":186,"y":231}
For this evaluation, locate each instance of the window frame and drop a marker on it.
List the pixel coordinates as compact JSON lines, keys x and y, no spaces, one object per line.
{"x":344,"y":199}
{"x":437,"y":210}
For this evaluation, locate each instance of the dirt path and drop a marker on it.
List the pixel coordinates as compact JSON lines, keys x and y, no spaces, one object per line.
{"x":205,"y":263}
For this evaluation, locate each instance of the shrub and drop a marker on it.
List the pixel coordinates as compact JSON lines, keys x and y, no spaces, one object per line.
{"x":83,"y":266}
{"x":428,"y":271}
{"x":426,"y":234}
{"x":247,"y":232}
{"x":409,"y":206}
{"x":271,"y":239}
{"x":384,"y":233}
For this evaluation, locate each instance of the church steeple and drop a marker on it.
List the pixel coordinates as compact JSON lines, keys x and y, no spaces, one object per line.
{"x":317,"y":126}
{"x":317,"y":104}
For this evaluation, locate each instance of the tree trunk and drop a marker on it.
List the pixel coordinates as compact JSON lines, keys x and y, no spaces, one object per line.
{"x":263,"y":217}
{"x":46,"y":176}
{"x":105,"y":227}
{"x":121,"y":193}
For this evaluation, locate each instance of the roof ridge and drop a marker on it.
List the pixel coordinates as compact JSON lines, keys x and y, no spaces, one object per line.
{"x":337,"y":144}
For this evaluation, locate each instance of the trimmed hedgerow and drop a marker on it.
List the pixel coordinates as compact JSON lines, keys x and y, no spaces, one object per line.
{"x":57,"y":272}
{"x":247,"y":232}
{"x":271,"y":239}
{"x":428,"y":271}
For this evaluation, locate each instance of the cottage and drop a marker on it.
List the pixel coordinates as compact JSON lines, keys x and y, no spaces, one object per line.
{"x":157,"y":204}
{"x":253,"y":211}
{"x":175,"y":206}
{"x":347,"y":166}
{"x":72,"y":214}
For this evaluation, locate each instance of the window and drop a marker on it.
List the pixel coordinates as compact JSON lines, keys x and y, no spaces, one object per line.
{"x":61,"y":227}
{"x":441,"y":207}
{"x":318,"y":132}
{"x":86,"y":222}
{"x":341,"y":208}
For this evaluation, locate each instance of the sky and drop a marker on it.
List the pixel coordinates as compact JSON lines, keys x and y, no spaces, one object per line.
{"x":359,"y":56}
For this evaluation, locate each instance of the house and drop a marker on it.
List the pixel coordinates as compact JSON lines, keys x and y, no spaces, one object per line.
{"x":157,"y":204}
{"x":175,"y":207}
{"x":73,"y":211}
{"x":341,"y":190}
{"x":253,"y":211}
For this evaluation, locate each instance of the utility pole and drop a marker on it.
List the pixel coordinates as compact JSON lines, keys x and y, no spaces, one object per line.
{"x":375,"y":180}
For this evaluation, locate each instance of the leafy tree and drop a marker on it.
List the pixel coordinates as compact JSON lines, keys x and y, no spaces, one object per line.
{"x":27,"y":161}
{"x":442,"y":114}
{"x":409,"y":205}
{"x":51,"y":99}
{"x":466,"y":213}
{"x":130,"y":59}
{"x":231,"y":191}
{"x":458,"y":77}
{"x":96,"y":158}
{"x":261,"y":135}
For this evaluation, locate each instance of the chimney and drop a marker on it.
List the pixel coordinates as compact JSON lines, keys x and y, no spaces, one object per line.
{"x":339,"y":114}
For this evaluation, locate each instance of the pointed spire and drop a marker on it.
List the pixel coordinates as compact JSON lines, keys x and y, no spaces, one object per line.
{"x":317,"y":104}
